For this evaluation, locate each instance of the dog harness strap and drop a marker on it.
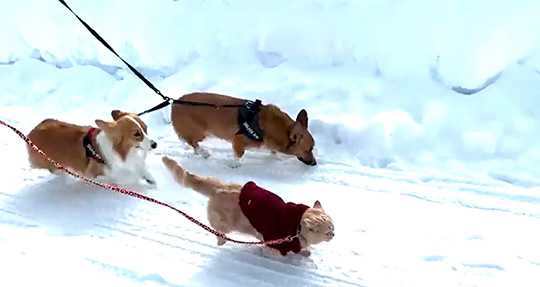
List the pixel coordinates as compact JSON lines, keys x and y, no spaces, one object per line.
{"x":89,"y":148}
{"x":248,"y":120}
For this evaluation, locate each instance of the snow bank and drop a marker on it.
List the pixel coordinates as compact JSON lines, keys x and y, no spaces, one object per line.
{"x":377,"y":77}
{"x":379,"y":82}
{"x":473,"y":42}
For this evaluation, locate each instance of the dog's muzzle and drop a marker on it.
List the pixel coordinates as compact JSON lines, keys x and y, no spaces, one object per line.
{"x":311,"y":162}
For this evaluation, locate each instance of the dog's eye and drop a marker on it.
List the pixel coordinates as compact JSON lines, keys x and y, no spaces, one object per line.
{"x":137,"y":134}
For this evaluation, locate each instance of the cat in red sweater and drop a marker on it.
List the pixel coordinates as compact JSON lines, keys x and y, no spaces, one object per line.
{"x":254,"y":210}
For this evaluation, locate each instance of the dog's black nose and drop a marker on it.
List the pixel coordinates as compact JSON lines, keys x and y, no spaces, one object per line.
{"x":154,"y":144}
{"x":311,"y":162}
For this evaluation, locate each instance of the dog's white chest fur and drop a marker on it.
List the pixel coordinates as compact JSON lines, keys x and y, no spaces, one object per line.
{"x":131,"y":170}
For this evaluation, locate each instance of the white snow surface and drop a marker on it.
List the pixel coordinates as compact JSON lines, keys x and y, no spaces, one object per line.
{"x":424,"y":115}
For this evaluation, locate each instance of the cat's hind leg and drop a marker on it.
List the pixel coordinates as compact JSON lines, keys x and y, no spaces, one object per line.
{"x":218,"y":223}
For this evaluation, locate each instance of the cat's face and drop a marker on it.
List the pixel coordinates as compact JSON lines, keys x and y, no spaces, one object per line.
{"x":316,"y":225}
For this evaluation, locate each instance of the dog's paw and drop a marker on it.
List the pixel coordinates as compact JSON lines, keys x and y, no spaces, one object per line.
{"x":150,"y":183}
{"x":202,"y":152}
{"x":274,"y":155}
{"x":234,"y":164}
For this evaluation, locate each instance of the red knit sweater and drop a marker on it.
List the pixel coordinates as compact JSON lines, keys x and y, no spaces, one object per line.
{"x":271,"y":216}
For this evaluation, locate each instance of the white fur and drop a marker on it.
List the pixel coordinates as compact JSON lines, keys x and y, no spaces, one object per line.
{"x":132,"y":170}
{"x":146,"y":143}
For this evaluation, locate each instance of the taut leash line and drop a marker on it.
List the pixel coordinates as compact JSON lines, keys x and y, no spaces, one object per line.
{"x":100,"y":39}
{"x":166,"y":100}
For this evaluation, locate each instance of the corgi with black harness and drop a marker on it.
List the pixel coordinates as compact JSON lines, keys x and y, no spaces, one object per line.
{"x":246,"y":124}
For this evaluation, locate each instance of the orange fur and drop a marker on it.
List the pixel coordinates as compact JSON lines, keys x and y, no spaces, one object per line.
{"x":123,"y":144}
{"x":280,"y":132}
{"x":225,"y":215}
{"x":61,"y":141}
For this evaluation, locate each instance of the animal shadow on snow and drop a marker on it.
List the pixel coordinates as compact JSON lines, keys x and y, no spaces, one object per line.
{"x":70,"y":206}
{"x":246,"y":266}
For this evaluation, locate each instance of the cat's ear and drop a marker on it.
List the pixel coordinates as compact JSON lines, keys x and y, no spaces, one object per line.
{"x":318,"y":205}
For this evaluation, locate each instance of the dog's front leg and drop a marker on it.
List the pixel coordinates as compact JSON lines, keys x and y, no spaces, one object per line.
{"x":146,"y":176}
{"x":110,"y":175}
{"x":93,"y":169}
{"x":239,"y":144}
{"x":150,"y":180}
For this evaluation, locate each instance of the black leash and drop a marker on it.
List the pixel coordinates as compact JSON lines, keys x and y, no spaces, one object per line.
{"x":166,"y":100}
{"x":190,"y":103}
{"x":148,"y":83}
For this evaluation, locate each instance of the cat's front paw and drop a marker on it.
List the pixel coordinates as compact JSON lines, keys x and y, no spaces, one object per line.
{"x":305,"y":252}
{"x":270,"y":252}
{"x":221,"y":241}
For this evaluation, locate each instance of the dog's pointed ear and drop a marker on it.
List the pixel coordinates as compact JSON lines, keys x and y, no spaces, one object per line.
{"x":116,"y":114}
{"x":103,"y":125}
{"x":318,"y":205}
{"x":302,"y":118}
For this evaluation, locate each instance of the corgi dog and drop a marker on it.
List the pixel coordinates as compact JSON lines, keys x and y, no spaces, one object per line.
{"x":252,"y":210}
{"x":115,"y":151}
{"x":267,"y":126}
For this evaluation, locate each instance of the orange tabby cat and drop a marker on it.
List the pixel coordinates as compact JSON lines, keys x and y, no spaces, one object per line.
{"x":253,"y":210}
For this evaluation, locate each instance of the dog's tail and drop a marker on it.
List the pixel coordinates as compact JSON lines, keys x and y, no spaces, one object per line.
{"x":204,"y":185}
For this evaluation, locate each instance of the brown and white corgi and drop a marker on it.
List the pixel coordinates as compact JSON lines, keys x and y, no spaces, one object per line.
{"x":115,"y":151}
{"x":276,"y":130}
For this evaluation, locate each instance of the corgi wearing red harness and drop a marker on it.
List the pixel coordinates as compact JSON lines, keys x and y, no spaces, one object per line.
{"x":115,"y":150}
{"x":253,"y":210}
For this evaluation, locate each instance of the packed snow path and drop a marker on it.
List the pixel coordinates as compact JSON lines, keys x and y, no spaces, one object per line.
{"x":392,"y":228}
{"x":427,"y":186}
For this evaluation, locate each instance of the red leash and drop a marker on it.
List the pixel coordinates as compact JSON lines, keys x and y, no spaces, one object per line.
{"x":143,"y":197}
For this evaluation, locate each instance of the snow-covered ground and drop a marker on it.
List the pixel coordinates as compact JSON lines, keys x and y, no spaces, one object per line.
{"x":424,"y":115}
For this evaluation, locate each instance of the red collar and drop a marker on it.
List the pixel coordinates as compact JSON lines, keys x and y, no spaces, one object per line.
{"x":91,"y":151}
{"x":92,"y":132}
